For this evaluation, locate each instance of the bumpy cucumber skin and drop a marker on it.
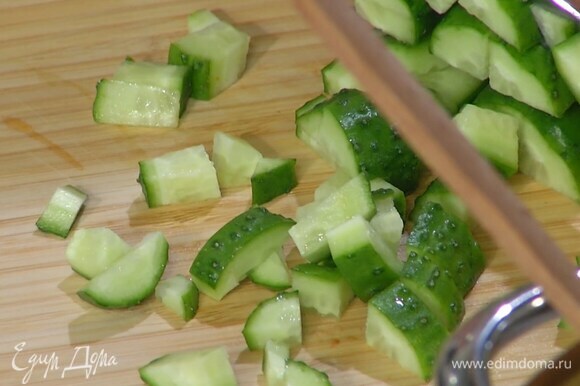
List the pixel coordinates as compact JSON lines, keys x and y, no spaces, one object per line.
{"x":437,"y":192}
{"x":224,"y":245}
{"x":447,"y":241}
{"x":411,"y":316}
{"x":273,"y":183}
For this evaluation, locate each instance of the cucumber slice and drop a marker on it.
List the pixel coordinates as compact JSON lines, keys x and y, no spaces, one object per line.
{"x":276,"y":319}
{"x":405,"y":20}
{"x":131,"y":279}
{"x":274,"y":361}
{"x":436,"y":288}
{"x":272,"y":178}
{"x":237,"y":248}
{"x":362,"y":257}
{"x":511,"y":20}
{"x":545,"y":142}
{"x":389,"y":227}
{"x":92,"y":251}
{"x":273,"y":273}
{"x":555,"y":27}
{"x":201,"y":19}
{"x":493,"y":134}
{"x":462,"y":41}
{"x":567,"y":58}
{"x":529,"y":77}
{"x":438,"y":193}
{"x":62,"y":210}
{"x":401,"y":326}
{"x":180,"y":295}
{"x":382,"y":189}
{"x":348,"y":131}
{"x":441,"y":6}
{"x":300,"y":374}
{"x":322,"y":288}
{"x":235,"y":160}
{"x":217,"y":54}
{"x":181,"y":176}
{"x":447,"y":241}
{"x":309,"y":233}
{"x":192,"y":368}
{"x":336,"y":77}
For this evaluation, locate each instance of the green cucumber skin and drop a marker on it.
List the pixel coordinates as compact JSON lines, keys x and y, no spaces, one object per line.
{"x":447,"y":241}
{"x":274,"y":183}
{"x":200,"y":69}
{"x":411,"y":316}
{"x":223,"y":246}
{"x":437,"y":192}
{"x":394,"y":193}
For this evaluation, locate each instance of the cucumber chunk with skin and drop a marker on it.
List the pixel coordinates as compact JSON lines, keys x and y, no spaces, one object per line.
{"x":400,"y":325}
{"x":322,"y":288}
{"x":92,"y":251}
{"x":192,"y":368}
{"x":238,"y":247}
{"x":437,"y":192}
{"x":530,"y":77}
{"x":367,"y":263}
{"x":201,"y":19}
{"x":309,"y":105}
{"x":217,"y":54}
{"x":276,"y":355}
{"x":276,"y":319}
{"x":382,"y":189}
{"x":178,"y":177}
{"x":405,"y":20}
{"x":180,"y":295}
{"x":62,"y":210}
{"x":554,"y":26}
{"x":336,"y":77}
{"x":511,"y":20}
{"x":389,"y":225}
{"x":493,"y":134}
{"x":272,"y":178}
{"x":567,"y":58}
{"x":235,"y":160}
{"x":131,"y":279}
{"x":309,"y":234}
{"x":300,"y":374}
{"x":273,"y":273}
{"x":441,"y":6}
{"x":348,"y":131}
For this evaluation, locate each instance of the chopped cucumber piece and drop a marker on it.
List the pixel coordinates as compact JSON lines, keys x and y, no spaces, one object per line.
{"x":322,"y":288}
{"x":530,"y":77}
{"x":201,"y":19}
{"x":62,"y":210}
{"x":438,"y":193}
{"x":364,"y":259}
{"x":400,"y":325}
{"x":330,"y":185}
{"x":462,"y":41}
{"x":511,"y":20}
{"x":235,"y":160}
{"x":441,"y":6}
{"x":567,"y":58}
{"x":206,"y":367}
{"x":276,"y":319}
{"x":382,"y":189}
{"x":272,"y":178}
{"x":276,"y":355}
{"x":493,"y":134}
{"x":237,"y":248}
{"x":389,"y":225}
{"x":300,"y":374}
{"x":217,"y":54}
{"x":448,"y":242}
{"x":131,"y":279}
{"x":336,"y":77}
{"x":306,"y":107}
{"x":92,"y":251}
{"x":436,"y":289}
{"x":554,"y":26}
{"x":180,"y":295}
{"x":545,"y":142}
{"x":309,"y":233}
{"x":181,"y":176}
{"x":348,"y":131}
{"x":272,"y":273}
{"x":405,"y":20}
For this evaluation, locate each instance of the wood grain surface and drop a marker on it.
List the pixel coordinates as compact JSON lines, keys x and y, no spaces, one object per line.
{"x":51,"y":55}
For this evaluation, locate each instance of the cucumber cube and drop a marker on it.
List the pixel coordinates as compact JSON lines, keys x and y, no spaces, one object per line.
{"x":62,"y":210}
{"x":272,"y":178}
{"x":273,"y":273}
{"x":180,"y":295}
{"x":567,"y":58}
{"x":235,"y":160}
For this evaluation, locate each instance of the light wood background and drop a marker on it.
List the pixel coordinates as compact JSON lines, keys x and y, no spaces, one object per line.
{"x":51,"y":55}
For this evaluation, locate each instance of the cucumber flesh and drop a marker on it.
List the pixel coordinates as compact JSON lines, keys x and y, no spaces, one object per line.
{"x":276,"y":355}
{"x":300,"y":374}
{"x":92,"y":251}
{"x":272,"y":178}
{"x":131,"y":279}
{"x":385,"y":188}
{"x":276,"y":319}
{"x":322,"y":288}
{"x":201,"y":19}
{"x":389,"y":227}
{"x":234,"y":159}
{"x":441,"y":6}
{"x":180,"y":295}
{"x":192,"y":368}
{"x":336,"y":77}
{"x":62,"y":210}
{"x":237,"y":248}
{"x":330,"y":185}
{"x":178,"y":177}
{"x":567,"y":58}
{"x":309,"y":105}
{"x":555,"y":27}
{"x":273,"y":273}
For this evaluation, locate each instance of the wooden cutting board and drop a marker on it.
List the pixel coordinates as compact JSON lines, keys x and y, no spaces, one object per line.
{"x":51,"y":55}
